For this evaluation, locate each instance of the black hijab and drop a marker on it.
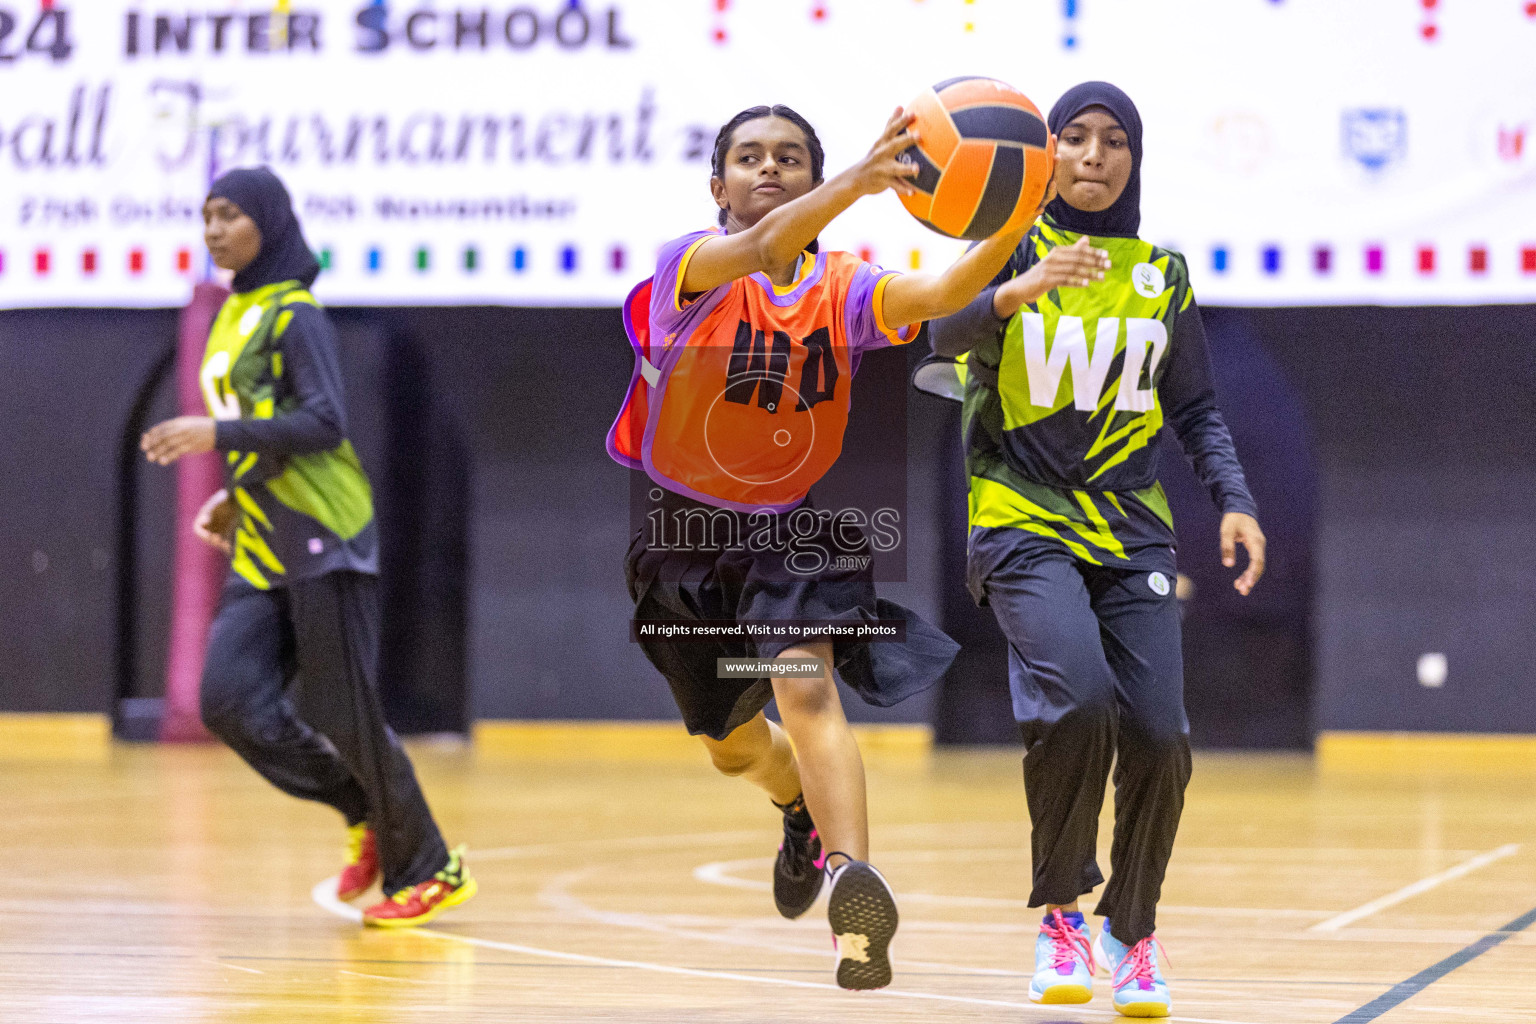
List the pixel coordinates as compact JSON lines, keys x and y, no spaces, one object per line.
{"x":1123,"y":218}
{"x":284,"y":255}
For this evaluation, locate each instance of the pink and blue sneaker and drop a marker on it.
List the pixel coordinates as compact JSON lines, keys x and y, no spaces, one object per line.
{"x":1135,"y":977}
{"x":1064,"y":962}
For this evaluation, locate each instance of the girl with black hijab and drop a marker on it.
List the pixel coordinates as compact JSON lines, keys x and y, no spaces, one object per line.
{"x":296,"y":519}
{"x":1072,"y":361}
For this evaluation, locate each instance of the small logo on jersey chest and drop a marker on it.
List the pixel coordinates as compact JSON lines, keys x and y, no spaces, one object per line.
{"x":1159,"y":584}
{"x":251,"y":318}
{"x":1148,"y":280}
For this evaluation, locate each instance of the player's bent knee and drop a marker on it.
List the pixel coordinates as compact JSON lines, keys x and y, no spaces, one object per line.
{"x":1087,"y":726}
{"x":1155,"y":742}
{"x":728,"y":761}
{"x":731,"y":764}
{"x":1094,"y":714}
{"x":806,"y":698}
{"x":239,"y":724}
{"x":1159,"y":743}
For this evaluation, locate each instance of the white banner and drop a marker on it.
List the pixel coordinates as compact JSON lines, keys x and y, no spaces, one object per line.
{"x":1297,"y":151}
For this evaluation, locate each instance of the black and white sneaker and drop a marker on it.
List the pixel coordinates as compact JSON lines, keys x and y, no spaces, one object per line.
{"x":862,"y":911}
{"x":797,"y":872}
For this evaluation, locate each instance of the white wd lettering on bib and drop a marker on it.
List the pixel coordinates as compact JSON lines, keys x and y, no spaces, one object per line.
{"x":251,"y":318}
{"x":1070,"y":346}
{"x":223,"y":403}
{"x":1140,"y":333}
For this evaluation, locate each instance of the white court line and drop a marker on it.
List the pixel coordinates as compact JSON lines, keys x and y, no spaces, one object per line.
{"x":1423,"y":885}
{"x":720,"y":873}
{"x":689,"y":839}
{"x":558,"y":896}
{"x":324,"y":895}
{"x":381,"y":977}
{"x":922,"y":830}
{"x":625,"y":843}
{"x":237,"y":967}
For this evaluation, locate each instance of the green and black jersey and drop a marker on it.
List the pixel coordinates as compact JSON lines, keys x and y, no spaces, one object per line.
{"x":1063,"y":402}
{"x":271,"y":380}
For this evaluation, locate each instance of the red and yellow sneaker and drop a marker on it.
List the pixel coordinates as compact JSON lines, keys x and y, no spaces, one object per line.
{"x":425,"y":900}
{"x":362,"y":863}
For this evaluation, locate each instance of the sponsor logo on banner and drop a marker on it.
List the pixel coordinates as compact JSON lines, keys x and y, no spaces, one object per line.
{"x":1512,"y":142}
{"x":1504,"y":137}
{"x":1375,"y":138}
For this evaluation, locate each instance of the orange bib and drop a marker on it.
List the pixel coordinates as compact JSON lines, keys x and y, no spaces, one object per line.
{"x":743,"y":401}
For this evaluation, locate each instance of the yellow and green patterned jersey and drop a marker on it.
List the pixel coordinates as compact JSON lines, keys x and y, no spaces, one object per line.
{"x":1064,"y":403}
{"x":271,"y":380}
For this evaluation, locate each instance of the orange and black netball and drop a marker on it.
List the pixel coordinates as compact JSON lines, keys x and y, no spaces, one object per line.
{"x":984,"y":160}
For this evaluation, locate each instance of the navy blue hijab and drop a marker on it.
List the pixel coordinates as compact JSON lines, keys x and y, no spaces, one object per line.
{"x":284,"y":255}
{"x":1123,"y":218}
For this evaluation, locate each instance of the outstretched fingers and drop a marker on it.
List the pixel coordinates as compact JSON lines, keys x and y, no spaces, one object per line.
{"x":894,"y":126}
{"x":1076,"y":265}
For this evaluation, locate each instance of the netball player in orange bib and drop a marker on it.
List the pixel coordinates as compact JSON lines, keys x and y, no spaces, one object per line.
{"x":747,"y":339}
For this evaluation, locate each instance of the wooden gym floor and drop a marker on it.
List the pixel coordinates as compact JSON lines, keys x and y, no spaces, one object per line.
{"x":622,"y":880}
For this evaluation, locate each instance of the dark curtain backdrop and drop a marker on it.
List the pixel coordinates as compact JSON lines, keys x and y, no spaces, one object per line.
{"x":85,"y":550}
{"x":1389,"y":450}
{"x":70,"y":586}
{"x":1424,"y":427}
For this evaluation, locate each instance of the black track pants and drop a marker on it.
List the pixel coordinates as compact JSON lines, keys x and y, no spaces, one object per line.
{"x":1097,"y":675}
{"x":329,"y":742}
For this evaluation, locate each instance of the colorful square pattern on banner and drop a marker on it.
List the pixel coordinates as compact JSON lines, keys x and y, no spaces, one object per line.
{"x":438,"y":152}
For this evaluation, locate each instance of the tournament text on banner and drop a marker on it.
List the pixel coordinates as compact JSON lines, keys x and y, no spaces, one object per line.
{"x":537,"y":153}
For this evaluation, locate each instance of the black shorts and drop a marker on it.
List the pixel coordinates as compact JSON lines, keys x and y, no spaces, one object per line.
{"x":721,"y":579}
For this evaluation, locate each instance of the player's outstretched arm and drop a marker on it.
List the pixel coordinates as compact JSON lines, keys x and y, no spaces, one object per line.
{"x":779,"y":237}
{"x":912,"y":298}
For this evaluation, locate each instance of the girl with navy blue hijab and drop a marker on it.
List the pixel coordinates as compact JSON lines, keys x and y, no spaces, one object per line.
{"x":1088,"y":345}
{"x":290,"y":677}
